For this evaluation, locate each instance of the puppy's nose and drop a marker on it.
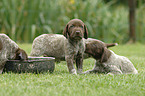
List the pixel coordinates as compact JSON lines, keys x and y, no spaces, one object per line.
{"x":77,"y":32}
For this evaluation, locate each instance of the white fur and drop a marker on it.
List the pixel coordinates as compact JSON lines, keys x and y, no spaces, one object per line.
{"x":57,"y":46}
{"x":114,"y":65}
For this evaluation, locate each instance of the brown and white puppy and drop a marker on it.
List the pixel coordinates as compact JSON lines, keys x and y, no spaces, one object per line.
{"x":71,"y":46}
{"x":107,"y":61}
{"x":9,"y":50}
{"x":54,"y":45}
{"x":74,"y":32}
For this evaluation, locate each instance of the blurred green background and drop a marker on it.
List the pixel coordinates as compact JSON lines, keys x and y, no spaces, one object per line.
{"x":107,"y":20}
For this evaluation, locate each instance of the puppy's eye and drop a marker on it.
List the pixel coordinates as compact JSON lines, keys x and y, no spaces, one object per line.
{"x":82,"y":27}
{"x":71,"y":26}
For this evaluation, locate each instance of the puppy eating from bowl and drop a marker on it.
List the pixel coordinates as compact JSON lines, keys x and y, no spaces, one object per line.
{"x":9,"y":50}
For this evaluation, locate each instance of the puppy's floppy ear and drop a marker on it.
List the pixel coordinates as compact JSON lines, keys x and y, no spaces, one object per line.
{"x":105,"y":54}
{"x":65,"y":31}
{"x":21,"y":55}
{"x":85,"y":32}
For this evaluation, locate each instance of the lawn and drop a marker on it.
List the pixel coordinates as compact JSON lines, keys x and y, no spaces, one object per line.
{"x":61,"y":83}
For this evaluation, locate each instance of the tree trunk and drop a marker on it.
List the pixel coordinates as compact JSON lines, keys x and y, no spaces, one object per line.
{"x":132,"y":35}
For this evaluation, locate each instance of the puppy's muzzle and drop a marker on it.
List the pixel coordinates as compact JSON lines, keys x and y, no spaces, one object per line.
{"x":78,"y":32}
{"x":78,"y":35}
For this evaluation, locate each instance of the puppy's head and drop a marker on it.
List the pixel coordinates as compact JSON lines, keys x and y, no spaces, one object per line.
{"x":21,"y":55}
{"x":75,"y":30}
{"x":98,"y":51}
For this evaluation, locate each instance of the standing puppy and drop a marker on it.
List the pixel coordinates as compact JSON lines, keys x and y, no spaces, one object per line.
{"x":107,"y":61}
{"x":70,"y":46}
{"x":74,"y":32}
{"x":9,"y":50}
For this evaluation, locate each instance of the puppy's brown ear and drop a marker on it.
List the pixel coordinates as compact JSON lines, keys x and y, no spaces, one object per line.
{"x":21,"y":55}
{"x":1,"y":46}
{"x":65,"y":32}
{"x":105,"y":54}
{"x":85,"y":32}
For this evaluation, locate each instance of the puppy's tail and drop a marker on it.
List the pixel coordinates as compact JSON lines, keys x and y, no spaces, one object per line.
{"x":111,"y":45}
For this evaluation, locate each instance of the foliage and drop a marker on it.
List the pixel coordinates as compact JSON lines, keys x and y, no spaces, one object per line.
{"x":61,"y":83}
{"x":23,"y":20}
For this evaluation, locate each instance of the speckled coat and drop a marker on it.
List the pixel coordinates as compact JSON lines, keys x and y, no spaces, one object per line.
{"x":114,"y":65}
{"x":50,"y":45}
{"x":107,"y":61}
{"x":57,"y":46}
{"x":7,"y":51}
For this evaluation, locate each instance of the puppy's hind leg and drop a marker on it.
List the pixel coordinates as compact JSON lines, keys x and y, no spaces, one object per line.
{"x":38,"y":47}
{"x":114,"y":70}
{"x":94,"y":70}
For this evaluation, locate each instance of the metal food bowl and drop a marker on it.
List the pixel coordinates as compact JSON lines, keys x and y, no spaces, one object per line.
{"x":32,"y":65}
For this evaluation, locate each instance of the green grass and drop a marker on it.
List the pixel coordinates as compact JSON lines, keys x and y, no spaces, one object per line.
{"x":61,"y":83}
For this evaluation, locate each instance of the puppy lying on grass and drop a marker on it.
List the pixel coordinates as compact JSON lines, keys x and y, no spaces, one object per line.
{"x":9,"y":50}
{"x":107,"y":61}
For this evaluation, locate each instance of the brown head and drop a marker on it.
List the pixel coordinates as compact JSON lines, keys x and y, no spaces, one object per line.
{"x":98,"y":51}
{"x":21,"y":55}
{"x":75,"y":30}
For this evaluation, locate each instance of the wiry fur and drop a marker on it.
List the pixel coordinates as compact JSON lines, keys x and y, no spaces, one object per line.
{"x":53,"y":45}
{"x":9,"y":50}
{"x":70,"y":45}
{"x":107,"y":61}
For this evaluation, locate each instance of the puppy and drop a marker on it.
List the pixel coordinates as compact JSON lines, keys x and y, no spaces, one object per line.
{"x":70,"y":46}
{"x":107,"y":61}
{"x":9,"y":50}
{"x":53,"y":45}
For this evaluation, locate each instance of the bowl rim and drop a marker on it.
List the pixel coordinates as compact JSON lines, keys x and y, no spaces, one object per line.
{"x":36,"y":60}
